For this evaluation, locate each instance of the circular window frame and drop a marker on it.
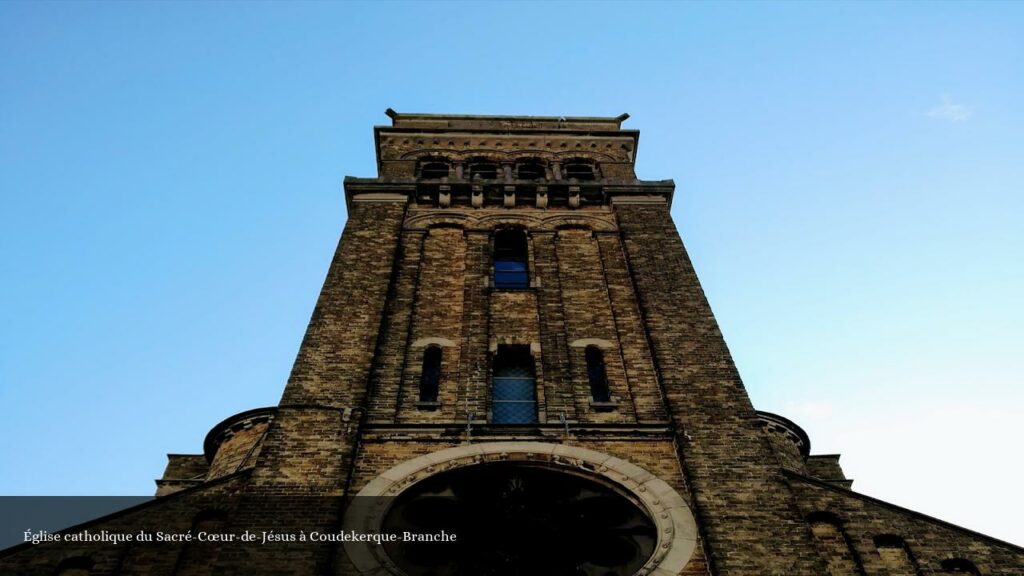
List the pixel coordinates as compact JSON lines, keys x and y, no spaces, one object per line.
{"x":675,"y":524}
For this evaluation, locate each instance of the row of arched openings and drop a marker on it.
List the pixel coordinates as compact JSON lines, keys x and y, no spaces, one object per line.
{"x":513,"y":385}
{"x":530,"y":169}
{"x":893,"y":551}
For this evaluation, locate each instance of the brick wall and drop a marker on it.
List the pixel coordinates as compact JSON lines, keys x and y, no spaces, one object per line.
{"x":747,"y":513}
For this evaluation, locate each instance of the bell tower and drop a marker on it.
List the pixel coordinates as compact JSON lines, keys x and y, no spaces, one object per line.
{"x":507,"y":292}
{"x":512,"y":370}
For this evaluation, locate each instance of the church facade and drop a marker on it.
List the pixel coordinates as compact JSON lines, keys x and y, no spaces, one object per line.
{"x":512,"y":369}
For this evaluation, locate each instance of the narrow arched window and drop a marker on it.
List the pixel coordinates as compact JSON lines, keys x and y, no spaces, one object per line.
{"x":513,"y":392}
{"x":511,"y":269}
{"x":430,"y":377}
{"x":959,"y":566}
{"x":579,"y":169}
{"x":598,"y":376}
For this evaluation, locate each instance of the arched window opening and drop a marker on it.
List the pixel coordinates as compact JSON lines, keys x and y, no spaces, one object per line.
{"x":75,"y":566}
{"x":579,"y":169}
{"x":959,"y":566}
{"x":834,"y":545}
{"x":434,"y":170}
{"x":895,"y":555}
{"x":530,"y":170}
{"x":598,"y":376}
{"x":483,"y":170}
{"x":511,"y":270}
{"x":430,"y":377}
{"x":513,"y":392}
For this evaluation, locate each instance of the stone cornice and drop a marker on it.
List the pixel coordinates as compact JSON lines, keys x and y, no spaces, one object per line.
{"x":402,"y":190}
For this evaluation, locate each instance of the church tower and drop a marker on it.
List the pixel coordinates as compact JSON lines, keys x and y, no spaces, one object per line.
{"x":511,"y":346}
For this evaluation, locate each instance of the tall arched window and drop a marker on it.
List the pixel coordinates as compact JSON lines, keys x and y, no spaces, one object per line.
{"x":598,"y":376}
{"x":513,"y":392}
{"x":511,"y":269}
{"x":430,"y":377}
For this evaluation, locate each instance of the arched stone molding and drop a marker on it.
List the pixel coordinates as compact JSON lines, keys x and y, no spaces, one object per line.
{"x":453,"y":225}
{"x":432,"y":341}
{"x":596,"y":222}
{"x":492,"y":347}
{"x":509,"y":220}
{"x":677,"y":529}
{"x":434,"y":218}
{"x":584,"y":342}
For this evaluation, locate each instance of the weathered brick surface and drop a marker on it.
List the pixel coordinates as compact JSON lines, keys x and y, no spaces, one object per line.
{"x":238,"y":451}
{"x":639,"y":376}
{"x":185,"y":466}
{"x":437,"y":313}
{"x":588,"y":315}
{"x":474,"y":367}
{"x":391,"y":356}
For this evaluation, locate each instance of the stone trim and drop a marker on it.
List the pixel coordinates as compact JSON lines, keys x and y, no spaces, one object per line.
{"x":677,"y":529}
{"x":584,"y":342}
{"x":433,"y":341}
{"x":376,"y":197}
{"x":637,"y":199}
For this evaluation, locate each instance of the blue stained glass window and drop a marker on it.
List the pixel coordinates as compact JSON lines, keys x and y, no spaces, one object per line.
{"x":513,"y":394}
{"x":510,"y":274}
{"x":511,"y":270}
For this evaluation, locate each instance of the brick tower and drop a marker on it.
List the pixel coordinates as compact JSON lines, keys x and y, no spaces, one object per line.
{"x":512,"y":346}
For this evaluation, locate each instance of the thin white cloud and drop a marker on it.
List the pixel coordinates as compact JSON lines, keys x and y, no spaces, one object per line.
{"x":950,"y":110}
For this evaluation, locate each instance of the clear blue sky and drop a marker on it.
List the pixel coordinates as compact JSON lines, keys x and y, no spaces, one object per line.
{"x":848,"y":185}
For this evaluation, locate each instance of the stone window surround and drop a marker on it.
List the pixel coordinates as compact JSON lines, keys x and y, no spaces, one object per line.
{"x":677,"y":529}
